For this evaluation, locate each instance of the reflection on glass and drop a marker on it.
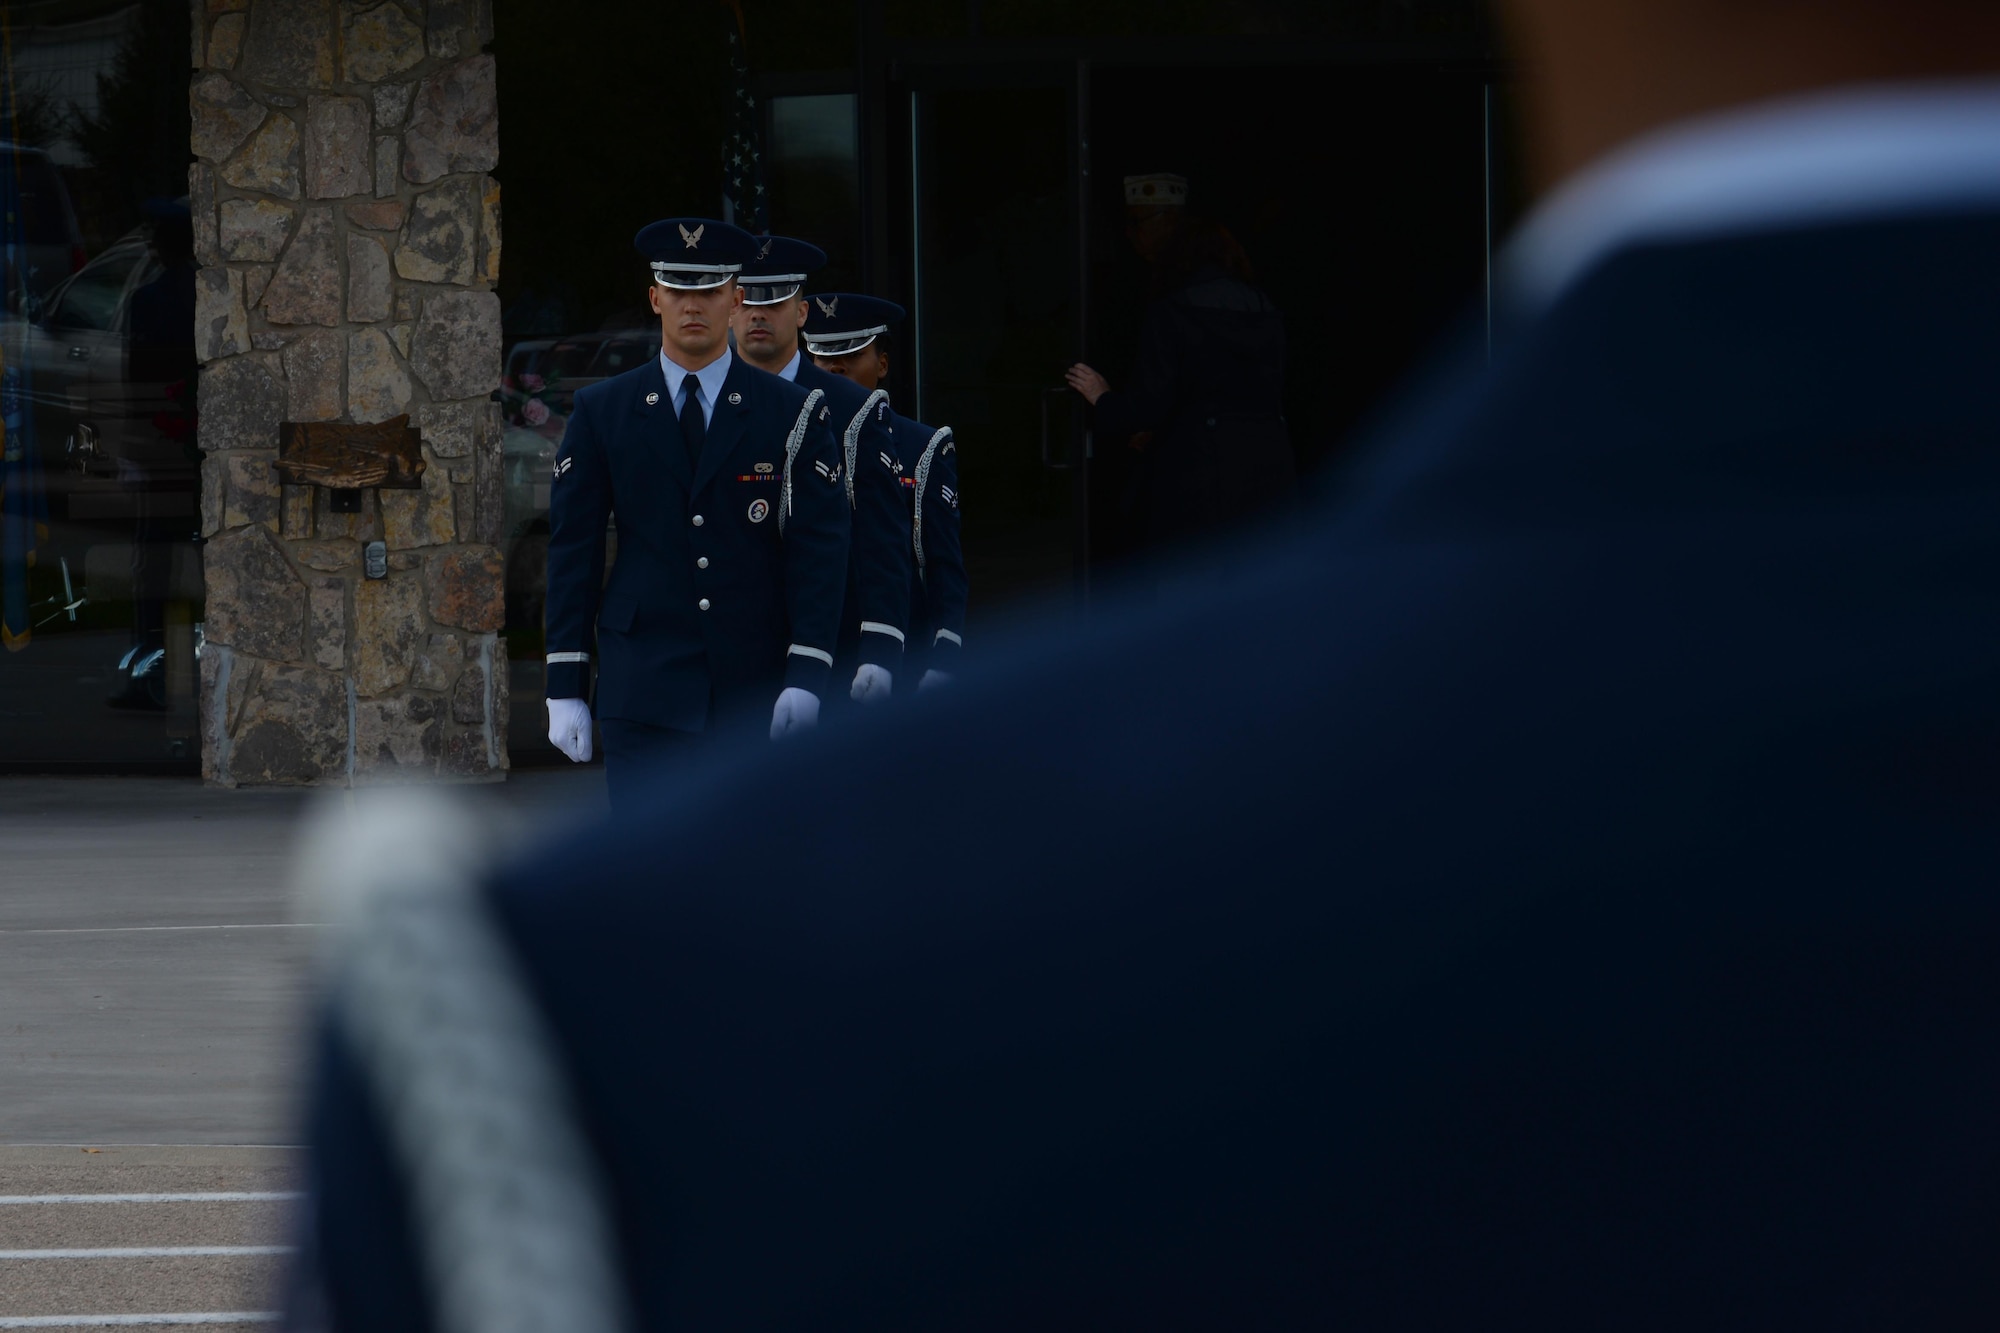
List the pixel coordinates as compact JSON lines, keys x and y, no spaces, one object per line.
{"x":815,"y":175}
{"x":100,"y":572}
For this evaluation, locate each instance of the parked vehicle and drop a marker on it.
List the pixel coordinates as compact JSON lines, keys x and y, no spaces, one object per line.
{"x":538,"y":392}
{"x":45,"y":244}
{"x":94,"y":422}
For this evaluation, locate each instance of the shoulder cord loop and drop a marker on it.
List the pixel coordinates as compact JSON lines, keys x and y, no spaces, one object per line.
{"x":798,"y":438}
{"x":923,"y":477}
{"x":853,"y":437}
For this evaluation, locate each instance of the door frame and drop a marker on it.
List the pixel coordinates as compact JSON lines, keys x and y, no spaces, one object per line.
{"x":950,"y":71}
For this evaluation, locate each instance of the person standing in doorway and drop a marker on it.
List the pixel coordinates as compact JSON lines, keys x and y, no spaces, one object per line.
{"x":845,"y":333}
{"x":874,"y":625}
{"x":733,"y":527}
{"x":1205,"y":405}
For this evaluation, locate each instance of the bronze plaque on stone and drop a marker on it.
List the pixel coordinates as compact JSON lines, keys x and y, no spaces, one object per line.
{"x":349,"y":458}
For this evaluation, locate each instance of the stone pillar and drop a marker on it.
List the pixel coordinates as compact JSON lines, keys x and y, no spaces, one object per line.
{"x":349,"y":239}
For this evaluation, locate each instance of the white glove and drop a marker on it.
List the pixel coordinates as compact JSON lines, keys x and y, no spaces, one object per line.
{"x":871,"y":684}
{"x":797,"y":710}
{"x":569,"y":728}
{"x":932,"y":679}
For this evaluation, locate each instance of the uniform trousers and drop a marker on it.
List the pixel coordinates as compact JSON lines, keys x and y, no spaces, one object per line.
{"x":637,"y":753}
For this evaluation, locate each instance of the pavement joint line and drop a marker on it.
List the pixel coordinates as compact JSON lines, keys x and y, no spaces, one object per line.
{"x":154,"y":1252}
{"x":140,"y":930}
{"x":212,"y":1196}
{"x":137,"y":1320}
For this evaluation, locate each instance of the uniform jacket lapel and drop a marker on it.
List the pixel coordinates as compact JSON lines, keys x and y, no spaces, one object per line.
{"x":725,"y":428}
{"x":663,"y":428}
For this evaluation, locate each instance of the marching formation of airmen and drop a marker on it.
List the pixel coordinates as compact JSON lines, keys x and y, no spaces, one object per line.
{"x":785,"y":537}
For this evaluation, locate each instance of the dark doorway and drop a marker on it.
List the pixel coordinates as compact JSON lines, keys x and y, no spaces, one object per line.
{"x":1363,"y":192}
{"x":1359,"y":194}
{"x":996,"y":287}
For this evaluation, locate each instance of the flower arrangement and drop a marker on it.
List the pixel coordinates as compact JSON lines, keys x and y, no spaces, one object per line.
{"x":526,"y":402}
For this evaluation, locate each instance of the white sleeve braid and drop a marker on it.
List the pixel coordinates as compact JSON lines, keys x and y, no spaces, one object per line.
{"x":509,"y":1214}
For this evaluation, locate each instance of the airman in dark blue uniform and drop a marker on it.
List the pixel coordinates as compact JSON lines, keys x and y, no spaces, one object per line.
{"x":844,"y":332}
{"x":874,"y":626}
{"x":732,"y":509}
{"x":1555,"y":892}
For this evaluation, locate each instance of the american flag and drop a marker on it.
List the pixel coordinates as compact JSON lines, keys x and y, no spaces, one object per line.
{"x":742,"y":151}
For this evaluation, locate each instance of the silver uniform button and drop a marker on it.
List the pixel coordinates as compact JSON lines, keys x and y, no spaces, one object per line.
{"x":701,"y":563}
{"x":704,"y":603}
{"x":697,"y":520}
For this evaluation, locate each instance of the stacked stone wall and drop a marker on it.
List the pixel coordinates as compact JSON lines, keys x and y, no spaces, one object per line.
{"x":349,"y":241}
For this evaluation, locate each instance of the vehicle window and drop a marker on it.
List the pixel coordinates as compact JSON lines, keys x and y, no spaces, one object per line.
{"x":619,"y":355}
{"x":94,"y":298}
{"x":525,"y":361}
{"x":570,"y":358}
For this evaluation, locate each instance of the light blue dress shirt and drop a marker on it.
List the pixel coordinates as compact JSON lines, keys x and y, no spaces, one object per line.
{"x":708,"y":379}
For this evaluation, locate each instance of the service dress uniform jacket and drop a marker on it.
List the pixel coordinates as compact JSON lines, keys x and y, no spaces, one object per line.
{"x":938,"y":592}
{"x":728,"y":583}
{"x":874,"y":626}
{"x":1583,"y":914}
{"x":1209,"y":387}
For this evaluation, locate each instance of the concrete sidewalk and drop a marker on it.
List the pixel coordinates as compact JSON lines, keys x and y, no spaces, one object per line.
{"x":89,"y":1236}
{"x":154,"y":984}
{"x":153,"y":977}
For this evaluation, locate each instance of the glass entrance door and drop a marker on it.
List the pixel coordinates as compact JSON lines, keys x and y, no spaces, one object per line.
{"x":996,"y":281}
{"x":101,"y":594}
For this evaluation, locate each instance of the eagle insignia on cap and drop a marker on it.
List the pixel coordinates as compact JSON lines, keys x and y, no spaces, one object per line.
{"x":827,"y":307}
{"x":764,"y":250}
{"x":693,"y":238}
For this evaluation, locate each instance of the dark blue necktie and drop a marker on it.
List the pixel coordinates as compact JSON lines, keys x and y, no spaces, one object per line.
{"x":693,"y":429}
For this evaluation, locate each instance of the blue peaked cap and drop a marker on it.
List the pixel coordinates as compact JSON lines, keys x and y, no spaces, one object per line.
{"x":777,"y":260}
{"x":779,"y":269}
{"x":692,"y":254}
{"x":841,"y":322}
